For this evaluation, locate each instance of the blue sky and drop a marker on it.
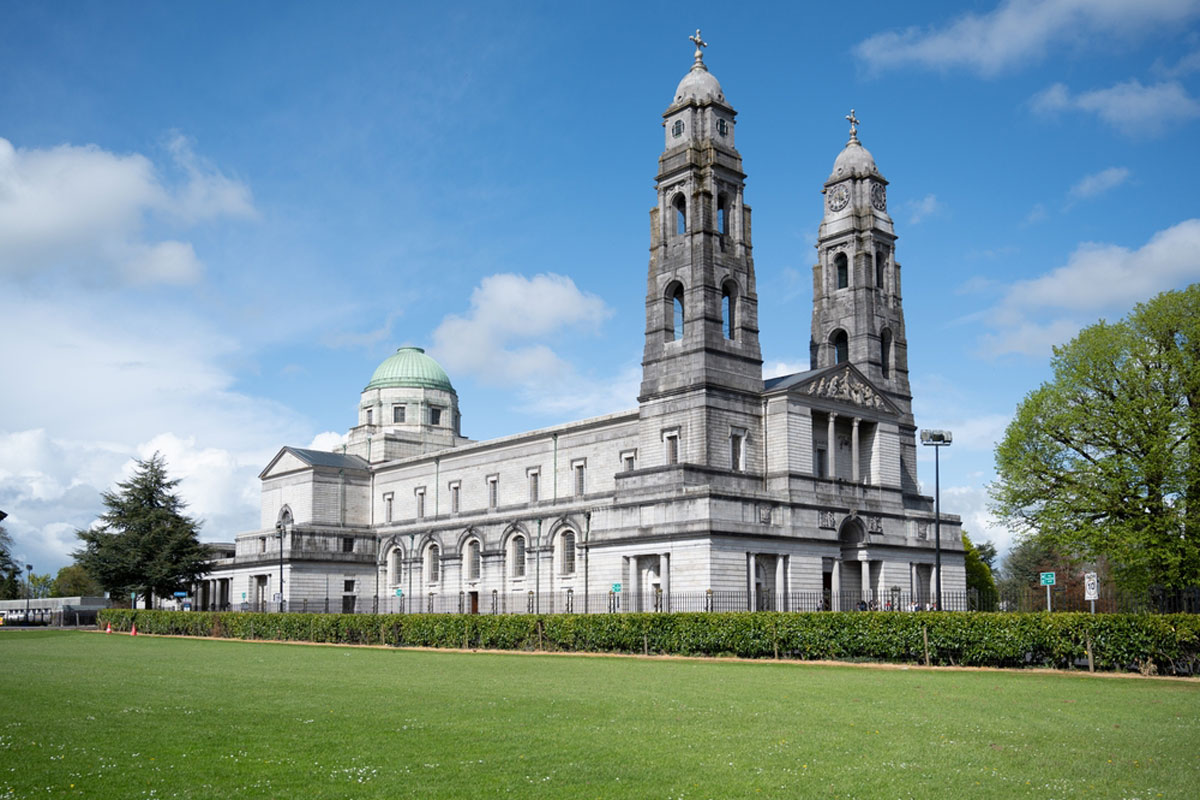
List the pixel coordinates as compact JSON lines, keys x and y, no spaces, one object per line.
{"x":217,"y":218}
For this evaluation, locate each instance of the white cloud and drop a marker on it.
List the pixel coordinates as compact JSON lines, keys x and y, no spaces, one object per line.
{"x":1184,"y":66}
{"x":777,"y":369}
{"x":1099,"y":182}
{"x":328,"y":441}
{"x":971,"y":503}
{"x":918,"y":210}
{"x":1130,"y":107}
{"x":1034,"y":314}
{"x":501,"y":338}
{"x":1021,"y":32}
{"x":117,"y":381}
{"x":86,"y":212}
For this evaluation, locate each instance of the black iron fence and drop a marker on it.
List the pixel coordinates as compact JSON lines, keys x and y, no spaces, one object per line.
{"x":570,"y":602}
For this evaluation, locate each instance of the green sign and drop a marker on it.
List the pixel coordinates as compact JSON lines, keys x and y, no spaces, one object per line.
{"x":616,"y":588}
{"x":133,"y":595}
{"x":399,"y":593}
{"x":1047,"y":579}
{"x":243,"y":595}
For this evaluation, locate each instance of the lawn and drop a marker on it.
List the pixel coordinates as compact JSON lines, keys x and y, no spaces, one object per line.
{"x":95,"y":716}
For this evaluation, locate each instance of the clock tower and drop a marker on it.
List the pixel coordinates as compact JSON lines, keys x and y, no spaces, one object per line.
{"x":858,"y":316}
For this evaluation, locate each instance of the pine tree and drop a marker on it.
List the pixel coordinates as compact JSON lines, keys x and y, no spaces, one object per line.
{"x":144,"y":542}
{"x":10,"y":586}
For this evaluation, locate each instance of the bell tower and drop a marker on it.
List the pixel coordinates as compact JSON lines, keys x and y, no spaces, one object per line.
{"x":858,"y":316}
{"x":701,"y":366}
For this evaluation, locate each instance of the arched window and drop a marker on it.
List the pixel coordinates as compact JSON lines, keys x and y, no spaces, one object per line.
{"x":880,"y":260}
{"x":680,"y":215}
{"x":474,"y":560}
{"x":516,"y":556}
{"x":676,"y":311}
{"x":728,"y":309}
{"x":566,"y":552}
{"x":885,"y":352}
{"x":433,"y":564}
{"x":394,"y":563}
{"x":841,"y":346}
{"x":722,"y":214}
{"x":842,"y":266}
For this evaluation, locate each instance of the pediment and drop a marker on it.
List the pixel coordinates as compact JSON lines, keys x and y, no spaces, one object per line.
{"x":292,"y":459}
{"x":844,"y":384}
{"x":283,"y":463}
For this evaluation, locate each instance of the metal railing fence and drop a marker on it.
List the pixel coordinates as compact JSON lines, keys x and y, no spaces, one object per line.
{"x":568,"y":602}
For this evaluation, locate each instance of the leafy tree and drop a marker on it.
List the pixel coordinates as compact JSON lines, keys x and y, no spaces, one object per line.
{"x":10,"y":586}
{"x":144,"y":541}
{"x":75,"y":581}
{"x":987,"y":554}
{"x":37,"y":586}
{"x":1103,"y":460}
{"x":979,"y":574}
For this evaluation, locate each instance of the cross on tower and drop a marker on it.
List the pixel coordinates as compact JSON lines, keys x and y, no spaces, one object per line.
{"x":699,"y":43}
{"x":853,"y":124}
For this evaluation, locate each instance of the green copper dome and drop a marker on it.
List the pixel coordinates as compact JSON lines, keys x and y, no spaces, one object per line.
{"x":410,"y":367}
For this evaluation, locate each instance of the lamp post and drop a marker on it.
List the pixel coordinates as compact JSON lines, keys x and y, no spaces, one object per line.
{"x":937,"y":440}
{"x":279,"y":530}
{"x":28,"y":589}
{"x":537,"y":571}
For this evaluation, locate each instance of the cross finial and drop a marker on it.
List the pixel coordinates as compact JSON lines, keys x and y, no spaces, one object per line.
{"x":853,"y":124}
{"x":699,"y":43}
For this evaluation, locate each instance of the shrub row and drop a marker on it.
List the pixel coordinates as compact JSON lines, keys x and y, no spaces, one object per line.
{"x":1170,"y":643}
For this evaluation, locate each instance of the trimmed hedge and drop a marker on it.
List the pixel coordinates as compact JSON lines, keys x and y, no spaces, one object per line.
{"x":1170,"y":643}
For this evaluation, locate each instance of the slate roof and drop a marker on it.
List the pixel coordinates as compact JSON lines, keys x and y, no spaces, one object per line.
{"x":322,"y":458}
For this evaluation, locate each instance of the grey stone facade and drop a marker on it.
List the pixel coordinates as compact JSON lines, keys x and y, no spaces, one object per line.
{"x":797,"y":492}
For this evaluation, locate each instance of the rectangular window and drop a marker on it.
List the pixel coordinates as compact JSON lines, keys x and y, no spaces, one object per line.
{"x":454,"y":497}
{"x":568,"y":553}
{"x":262,"y":544}
{"x":474,"y":561}
{"x":387,"y":508}
{"x":629,"y":460}
{"x":493,"y":483}
{"x":370,"y":416}
{"x":435,"y":415}
{"x":820,"y":463}
{"x":533,"y":486}
{"x":671,"y":446}
{"x":398,"y":413}
{"x":580,"y":482}
{"x":347,"y":544}
{"x":348,"y":585}
{"x":737,"y":441}
{"x":421,"y":503}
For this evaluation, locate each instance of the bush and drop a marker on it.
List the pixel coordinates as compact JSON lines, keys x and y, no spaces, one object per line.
{"x":1170,"y":643}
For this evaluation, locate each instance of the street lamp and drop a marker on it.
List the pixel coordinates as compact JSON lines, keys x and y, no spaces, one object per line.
{"x":937,"y":440}
{"x":28,"y":589}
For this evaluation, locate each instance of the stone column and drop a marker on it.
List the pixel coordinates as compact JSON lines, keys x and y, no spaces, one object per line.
{"x":664,"y":579}
{"x":832,"y":446}
{"x":751,"y":595}
{"x":633,"y":589}
{"x":836,"y":600}
{"x":854,"y":449}
{"x":781,"y":583}
{"x":866,"y":580}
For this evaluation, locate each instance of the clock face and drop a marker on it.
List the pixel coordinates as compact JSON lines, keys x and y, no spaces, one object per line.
{"x":879,"y":196}
{"x":839,"y":196}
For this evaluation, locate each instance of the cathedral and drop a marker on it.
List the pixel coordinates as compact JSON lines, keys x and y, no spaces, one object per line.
{"x":719,"y":491}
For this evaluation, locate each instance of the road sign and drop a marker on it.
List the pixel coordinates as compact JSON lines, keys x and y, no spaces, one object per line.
{"x":399,"y":593}
{"x":1091,"y":586}
{"x":243,"y":595}
{"x":616,"y":588}
{"x":181,"y":594}
{"x":276,"y":597}
{"x":133,"y":595}
{"x":1047,"y":579}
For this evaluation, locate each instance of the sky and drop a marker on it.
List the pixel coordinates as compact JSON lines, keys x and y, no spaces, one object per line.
{"x":217,"y":218}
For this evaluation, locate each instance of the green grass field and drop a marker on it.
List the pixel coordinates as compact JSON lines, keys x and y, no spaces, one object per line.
{"x":95,"y":716}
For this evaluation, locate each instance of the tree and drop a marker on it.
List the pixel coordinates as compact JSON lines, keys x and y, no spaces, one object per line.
{"x":1103,"y":460}
{"x":10,"y":586}
{"x":37,"y":586}
{"x":144,"y":542}
{"x":979,"y":573}
{"x":75,"y":581}
{"x":987,"y":554}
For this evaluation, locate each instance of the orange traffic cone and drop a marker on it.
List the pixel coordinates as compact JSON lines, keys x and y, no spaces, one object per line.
{"x":133,"y":631}
{"x":109,"y":628}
